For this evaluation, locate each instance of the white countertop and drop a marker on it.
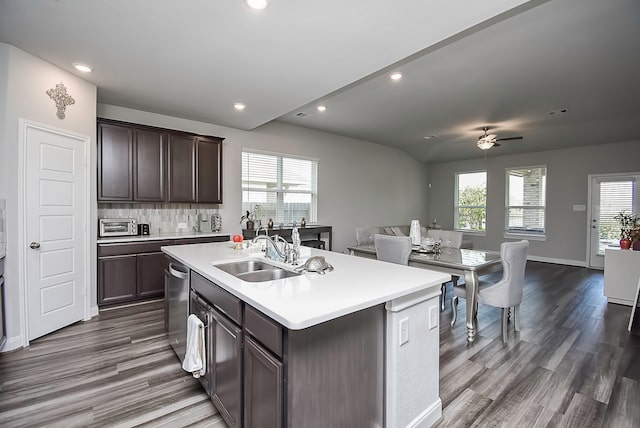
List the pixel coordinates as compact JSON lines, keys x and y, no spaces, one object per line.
{"x":303,"y":301}
{"x":169,"y":235}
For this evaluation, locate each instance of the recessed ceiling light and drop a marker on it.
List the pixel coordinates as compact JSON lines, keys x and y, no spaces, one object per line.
{"x":321,"y":108}
{"x":257,"y":4}
{"x":429,"y":137}
{"x":239,"y":106}
{"x":396,"y":75}
{"x":82,"y":67}
{"x":559,"y":111}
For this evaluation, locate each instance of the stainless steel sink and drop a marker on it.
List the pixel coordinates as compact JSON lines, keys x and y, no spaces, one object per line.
{"x":255,"y":271}
{"x":244,"y":266}
{"x":266,"y":275}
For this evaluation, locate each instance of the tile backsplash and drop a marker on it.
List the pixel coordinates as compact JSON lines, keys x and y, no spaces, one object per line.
{"x":162,"y":218}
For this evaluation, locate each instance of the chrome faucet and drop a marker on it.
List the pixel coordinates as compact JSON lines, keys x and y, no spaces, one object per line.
{"x":295,"y":250}
{"x":272,"y":251}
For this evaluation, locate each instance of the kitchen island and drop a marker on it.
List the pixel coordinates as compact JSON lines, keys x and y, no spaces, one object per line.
{"x":356,"y":347}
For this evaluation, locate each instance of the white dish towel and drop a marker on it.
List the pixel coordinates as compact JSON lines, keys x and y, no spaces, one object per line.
{"x":195,"y":355}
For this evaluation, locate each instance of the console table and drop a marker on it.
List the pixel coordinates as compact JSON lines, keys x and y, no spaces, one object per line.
{"x":314,"y":231}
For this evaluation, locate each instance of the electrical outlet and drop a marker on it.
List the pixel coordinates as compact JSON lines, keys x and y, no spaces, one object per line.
{"x":404,"y":331}
{"x":434,"y":315}
{"x":182,"y":225}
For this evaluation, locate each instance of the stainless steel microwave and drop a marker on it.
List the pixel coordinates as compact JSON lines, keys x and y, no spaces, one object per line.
{"x":117,"y":227}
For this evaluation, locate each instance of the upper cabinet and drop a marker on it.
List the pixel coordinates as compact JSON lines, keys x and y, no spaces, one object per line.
{"x":143,"y":164}
{"x":209,"y":167}
{"x":115,"y":163}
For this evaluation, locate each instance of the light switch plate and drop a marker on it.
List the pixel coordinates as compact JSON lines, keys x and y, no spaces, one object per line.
{"x":434,"y":315}
{"x":404,"y":331}
{"x":579,"y":207}
{"x":182,"y":225}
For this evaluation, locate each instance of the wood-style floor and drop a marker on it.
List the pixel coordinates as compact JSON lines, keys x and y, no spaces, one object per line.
{"x":572,"y":365}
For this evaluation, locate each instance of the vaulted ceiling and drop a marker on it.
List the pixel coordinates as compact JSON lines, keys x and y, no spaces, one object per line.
{"x":505,"y":64}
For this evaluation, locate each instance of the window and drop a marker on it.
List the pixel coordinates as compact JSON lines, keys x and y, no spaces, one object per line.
{"x":471,"y":201}
{"x":525,"y":200}
{"x":283,"y":188}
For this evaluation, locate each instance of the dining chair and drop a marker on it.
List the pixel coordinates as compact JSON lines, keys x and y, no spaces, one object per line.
{"x":506,"y":293}
{"x":448,"y":239}
{"x":394,"y":249}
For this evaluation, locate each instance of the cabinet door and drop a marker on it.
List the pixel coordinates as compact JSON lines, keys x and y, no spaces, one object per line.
{"x":263,"y":384}
{"x":115,"y":163}
{"x":181,"y":169}
{"x":226,"y":385}
{"x":150,"y":273}
{"x":150,"y":153}
{"x":116,"y":279}
{"x":209,"y":171}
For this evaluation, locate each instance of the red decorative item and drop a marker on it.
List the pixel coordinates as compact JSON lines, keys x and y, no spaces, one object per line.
{"x":237,"y":238}
{"x":625,"y":244}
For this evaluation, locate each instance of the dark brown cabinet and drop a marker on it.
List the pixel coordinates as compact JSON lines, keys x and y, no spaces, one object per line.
{"x":149,"y":166}
{"x":150,"y":274}
{"x":134,"y":271}
{"x":194,"y":171}
{"x":115,"y":163}
{"x":262,"y":387}
{"x":182,"y":169}
{"x":209,"y":167}
{"x":116,"y":279}
{"x":146,"y":164}
{"x":226,"y":387}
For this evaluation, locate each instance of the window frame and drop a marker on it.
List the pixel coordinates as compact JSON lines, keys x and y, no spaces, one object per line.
{"x":457,"y":206}
{"x":279,"y":191}
{"x":521,"y":232}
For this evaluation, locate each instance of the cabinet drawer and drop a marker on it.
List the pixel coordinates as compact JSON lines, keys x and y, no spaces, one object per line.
{"x":203,"y":240}
{"x":263,"y":328}
{"x":226,"y":302}
{"x":131,"y":248}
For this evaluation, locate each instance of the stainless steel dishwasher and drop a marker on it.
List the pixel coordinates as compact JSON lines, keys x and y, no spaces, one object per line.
{"x":177,"y":306}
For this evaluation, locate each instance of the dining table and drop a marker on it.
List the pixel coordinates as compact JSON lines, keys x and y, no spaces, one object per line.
{"x":466,"y":263}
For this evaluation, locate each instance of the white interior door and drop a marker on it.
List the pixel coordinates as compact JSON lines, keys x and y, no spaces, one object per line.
{"x":54,"y":230}
{"x":610,"y":194}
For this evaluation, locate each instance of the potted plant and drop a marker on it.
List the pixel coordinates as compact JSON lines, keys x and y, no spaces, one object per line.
{"x":628,"y":225}
{"x":252,"y":216}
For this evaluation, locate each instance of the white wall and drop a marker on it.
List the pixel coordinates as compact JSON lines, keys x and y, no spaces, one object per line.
{"x":567,"y":185}
{"x":24,"y":80}
{"x":359,"y":183}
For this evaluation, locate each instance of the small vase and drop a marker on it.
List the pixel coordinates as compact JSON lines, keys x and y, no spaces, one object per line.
{"x":636,"y":245}
{"x":625,"y":244}
{"x":414,"y":232}
{"x":270,"y":224}
{"x":249,"y":225}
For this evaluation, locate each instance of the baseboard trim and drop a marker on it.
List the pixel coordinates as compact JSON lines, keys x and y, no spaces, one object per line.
{"x":578,"y":263}
{"x":619,"y":301}
{"x":12,"y":344}
{"x":429,"y":417}
{"x":93,"y":311}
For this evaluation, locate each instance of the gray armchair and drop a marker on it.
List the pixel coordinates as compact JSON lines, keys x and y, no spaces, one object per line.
{"x":394,"y":249}
{"x":506,"y":293}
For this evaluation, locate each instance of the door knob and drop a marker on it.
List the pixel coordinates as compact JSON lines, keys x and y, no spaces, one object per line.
{"x":34,"y":245}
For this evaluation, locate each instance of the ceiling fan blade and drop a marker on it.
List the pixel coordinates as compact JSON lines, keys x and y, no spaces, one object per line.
{"x":496,"y":145}
{"x":510,"y":138}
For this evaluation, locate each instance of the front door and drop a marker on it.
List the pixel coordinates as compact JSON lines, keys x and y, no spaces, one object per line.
{"x":610,"y":194}
{"x":55,"y":230}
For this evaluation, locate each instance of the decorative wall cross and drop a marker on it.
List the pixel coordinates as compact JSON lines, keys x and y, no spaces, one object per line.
{"x":62,"y":99}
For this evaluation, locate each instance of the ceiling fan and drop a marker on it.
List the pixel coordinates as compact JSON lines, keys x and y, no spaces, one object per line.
{"x":486,"y":141}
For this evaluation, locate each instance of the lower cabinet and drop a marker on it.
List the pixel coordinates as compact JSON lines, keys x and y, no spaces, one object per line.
{"x":134,"y":271}
{"x":226,"y":388}
{"x":116,"y":279}
{"x":263,"y":386}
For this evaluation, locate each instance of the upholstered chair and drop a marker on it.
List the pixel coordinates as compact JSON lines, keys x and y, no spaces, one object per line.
{"x":448,"y":239}
{"x":394,"y":249}
{"x":506,"y":293}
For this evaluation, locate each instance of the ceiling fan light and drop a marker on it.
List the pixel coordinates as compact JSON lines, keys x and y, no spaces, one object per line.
{"x":484,"y":144}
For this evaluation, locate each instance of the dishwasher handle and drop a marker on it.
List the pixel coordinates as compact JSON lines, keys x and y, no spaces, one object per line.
{"x":174,"y":270}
